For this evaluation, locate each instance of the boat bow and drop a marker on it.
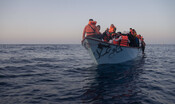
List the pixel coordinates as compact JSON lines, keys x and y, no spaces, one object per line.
{"x":107,"y":53}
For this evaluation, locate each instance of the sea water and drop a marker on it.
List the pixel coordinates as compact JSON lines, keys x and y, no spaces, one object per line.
{"x":65,"y":74}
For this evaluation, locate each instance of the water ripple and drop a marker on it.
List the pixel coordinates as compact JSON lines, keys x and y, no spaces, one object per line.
{"x":65,"y":74}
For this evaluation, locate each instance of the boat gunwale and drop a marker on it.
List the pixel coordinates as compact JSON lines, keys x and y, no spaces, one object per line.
{"x":107,"y":43}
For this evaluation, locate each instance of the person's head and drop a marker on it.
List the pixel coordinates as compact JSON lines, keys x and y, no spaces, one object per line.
{"x":119,"y":33}
{"x":91,"y":20}
{"x":133,"y":29}
{"x":112,"y":25}
{"x":130,"y":28}
{"x":98,"y":27}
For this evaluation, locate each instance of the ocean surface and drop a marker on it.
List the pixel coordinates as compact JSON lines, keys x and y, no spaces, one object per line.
{"x":65,"y":74}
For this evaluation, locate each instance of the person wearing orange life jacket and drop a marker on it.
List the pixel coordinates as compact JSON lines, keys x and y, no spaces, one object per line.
{"x":112,"y":30}
{"x":123,"y":40}
{"x":116,"y":38}
{"x":90,"y":29}
{"x":106,"y":35}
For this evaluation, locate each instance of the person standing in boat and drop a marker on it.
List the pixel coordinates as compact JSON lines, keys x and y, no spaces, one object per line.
{"x":112,"y":30}
{"x":131,"y":31}
{"x":131,"y":38}
{"x":134,"y":32}
{"x":91,"y":30}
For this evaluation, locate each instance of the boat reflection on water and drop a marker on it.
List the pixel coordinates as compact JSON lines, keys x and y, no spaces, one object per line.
{"x":115,"y":84}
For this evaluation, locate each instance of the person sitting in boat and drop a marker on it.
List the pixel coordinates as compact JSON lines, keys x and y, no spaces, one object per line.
{"x":112,"y":30}
{"x":123,"y":40}
{"x":116,"y":38}
{"x":106,"y":35}
{"x":98,"y":28}
{"x":91,"y":29}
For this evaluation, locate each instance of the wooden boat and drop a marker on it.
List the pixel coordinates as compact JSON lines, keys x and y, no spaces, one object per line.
{"x":107,"y":53}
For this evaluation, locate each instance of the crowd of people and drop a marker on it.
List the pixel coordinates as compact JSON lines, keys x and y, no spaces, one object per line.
{"x":110,"y":35}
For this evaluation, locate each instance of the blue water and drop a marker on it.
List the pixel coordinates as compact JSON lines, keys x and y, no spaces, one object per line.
{"x":65,"y":74}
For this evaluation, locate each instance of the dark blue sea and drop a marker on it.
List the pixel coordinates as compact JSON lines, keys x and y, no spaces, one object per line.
{"x":65,"y":74}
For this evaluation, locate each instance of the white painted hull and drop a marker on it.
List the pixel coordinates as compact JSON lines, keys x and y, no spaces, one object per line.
{"x":106,"y":53}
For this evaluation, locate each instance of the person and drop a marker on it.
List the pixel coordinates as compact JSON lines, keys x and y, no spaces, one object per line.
{"x":131,"y":31}
{"x":137,"y":41}
{"x":112,"y":30}
{"x":116,"y":38}
{"x":123,"y":40}
{"x":98,"y":28}
{"x":106,"y":35}
{"x":91,"y":30}
{"x":131,"y":38}
{"x":134,"y":32}
{"x":139,"y":38}
{"x":143,"y":44}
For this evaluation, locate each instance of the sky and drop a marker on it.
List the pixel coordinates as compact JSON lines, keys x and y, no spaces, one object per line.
{"x":63,"y":21}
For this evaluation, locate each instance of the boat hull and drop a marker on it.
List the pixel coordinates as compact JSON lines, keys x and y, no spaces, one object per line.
{"x":106,"y":53}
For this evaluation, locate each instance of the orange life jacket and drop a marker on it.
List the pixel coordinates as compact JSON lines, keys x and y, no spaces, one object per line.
{"x":89,"y":27}
{"x":116,"y":42}
{"x":124,"y":41}
{"x":112,"y":29}
{"x":92,"y":22}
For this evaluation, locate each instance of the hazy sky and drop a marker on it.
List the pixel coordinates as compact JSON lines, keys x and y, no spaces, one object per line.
{"x":63,"y":21}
